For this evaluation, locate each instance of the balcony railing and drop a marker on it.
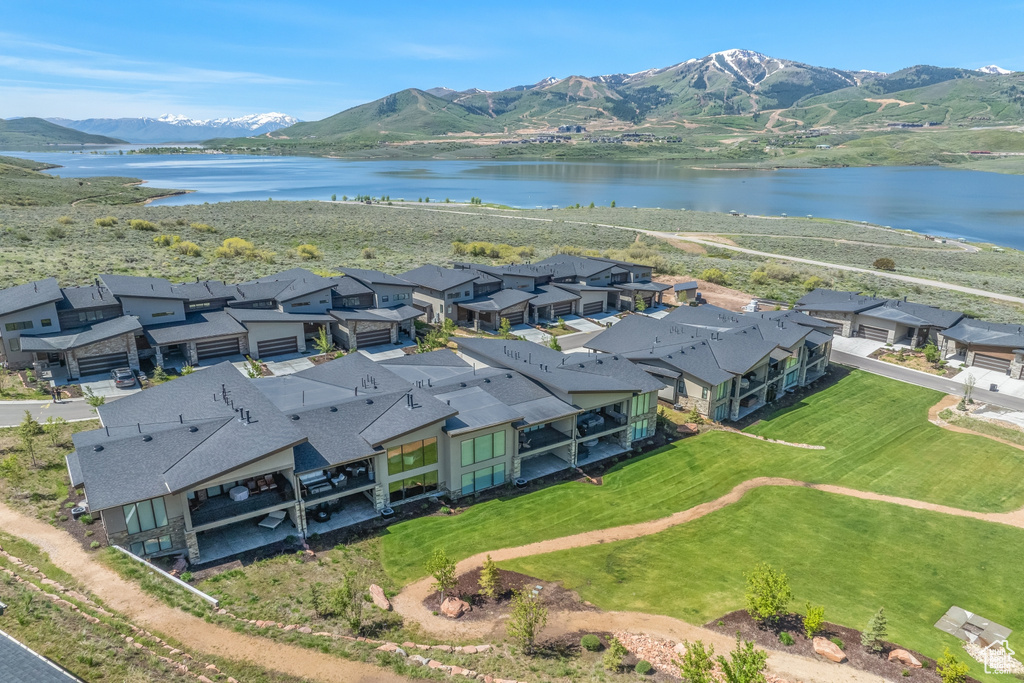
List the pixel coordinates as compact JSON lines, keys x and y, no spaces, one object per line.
{"x":220,"y":508}
{"x":540,"y":439}
{"x":351,"y":484}
{"x":752,"y":386}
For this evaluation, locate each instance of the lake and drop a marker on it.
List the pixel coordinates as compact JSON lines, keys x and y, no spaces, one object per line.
{"x":948,"y":202}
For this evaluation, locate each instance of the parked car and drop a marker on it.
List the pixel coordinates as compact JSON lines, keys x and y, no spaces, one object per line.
{"x":123,"y":378}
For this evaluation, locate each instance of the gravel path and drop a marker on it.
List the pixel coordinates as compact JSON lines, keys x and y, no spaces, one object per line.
{"x":193,"y":633}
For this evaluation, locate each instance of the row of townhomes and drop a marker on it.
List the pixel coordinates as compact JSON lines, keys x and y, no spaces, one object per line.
{"x":215,"y":463}
{"x":723,"y":364}
{"x":971,"y":342}
{"x":119,"y":320}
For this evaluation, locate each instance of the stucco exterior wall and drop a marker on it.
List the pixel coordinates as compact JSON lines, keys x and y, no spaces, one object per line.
{"x":35,"y":315}
{"x":148,"y":310}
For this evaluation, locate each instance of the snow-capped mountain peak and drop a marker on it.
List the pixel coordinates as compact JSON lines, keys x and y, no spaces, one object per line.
{"x":178,"y":128}
{"x":993,"y":69}
{"x":747,"y":55}
{"x":249,"y":121}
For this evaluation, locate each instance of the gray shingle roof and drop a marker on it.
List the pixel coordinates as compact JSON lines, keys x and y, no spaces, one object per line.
{"x":204,"y":325}
{"x":89,"y":296}
{"x":918,"y":315}
{"x":19,"y":664}
{"x":141,"y":287}
{"x":81,"y":336}
{"x":350,"y":286}
{"x":441,"y":279}
{"x":642,"y":286}
{"x":970,"y":331}
{"x":205,"y":290}
{"x":477,"y":409}
{"x":566,"y":265}
{"x":545,"y":295}
{"x":685,"y":286}
{"x":390,"y":315}
{"x":837,"y":301}
{"x":269,"y":315}
{"x":194,"y":436}
{"x":28,"y":295}
{"x":498,"y":301}
{"x":375,"y":277}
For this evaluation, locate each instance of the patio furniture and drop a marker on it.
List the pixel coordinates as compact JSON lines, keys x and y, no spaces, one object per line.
{"x":239,"y":493}
{"x":251,"y":485}
{"x":339,"y":481}
{"x":263,"y":485}
{"x":271,"y":481}
{"x":273,"y":520}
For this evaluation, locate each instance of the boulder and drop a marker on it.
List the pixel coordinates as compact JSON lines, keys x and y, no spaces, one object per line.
{"x":829,"y":650}
{"x":679,"y":649}
{"x":453,"y":608}
{"x":904,"y":658}
{"x":417,"y":659}
{"x":379,"y":599}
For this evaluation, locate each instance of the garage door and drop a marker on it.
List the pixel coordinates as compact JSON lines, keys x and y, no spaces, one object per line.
{"x":991,"y":362}
{"x":275,"y":347}
{"x":515,"y":318}
{"x":873,"y":333}
{"x":593,"y":307}
{"x":94,"y":365}
{"x":217,"y":347}
{"x":373,"y":337}
{"x":562,"y":309}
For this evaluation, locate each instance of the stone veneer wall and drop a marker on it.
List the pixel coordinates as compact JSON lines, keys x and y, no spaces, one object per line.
{"x":125,"y":343}
{"x":175,"y":527}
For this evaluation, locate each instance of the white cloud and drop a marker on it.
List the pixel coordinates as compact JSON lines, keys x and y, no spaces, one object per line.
{"x":83,"y":103}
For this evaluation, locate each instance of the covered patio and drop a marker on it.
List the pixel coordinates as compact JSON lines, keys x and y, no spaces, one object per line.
{"x":537,"y":466}
{"x":232,"y":539}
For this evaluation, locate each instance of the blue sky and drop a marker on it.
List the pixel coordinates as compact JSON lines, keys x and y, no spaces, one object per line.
{"x":312,"y":59}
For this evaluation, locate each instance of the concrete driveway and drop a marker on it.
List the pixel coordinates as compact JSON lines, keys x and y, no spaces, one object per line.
{"x":856,"y":346}
{"x":532,"y":334}
{"x":581,"y":324}
{"x":289,"y":363}
{"x":607,"y":318}
{"x":984,"y":379}
{"x":385,"y":351}
{"x":103,"y":385}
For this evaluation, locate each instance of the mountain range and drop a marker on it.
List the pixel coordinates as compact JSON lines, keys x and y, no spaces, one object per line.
{"x":172,"y":128}
{"x":34,"y":132}
{"x":731,"y":88}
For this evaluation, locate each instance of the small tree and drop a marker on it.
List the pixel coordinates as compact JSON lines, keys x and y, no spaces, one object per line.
{"x":489,"y":579}
{"x":443,"y":570}
{"x":768,"y":593}
{"x":323,"y":341}
{"x":554,"y":344}
{"x":613,"y":657}
{"x":28,"y":430}
{"x":884,"y":263}
{"x":54,"y":428}
{"x":640,"y":305}
{"x":746,"y":664}
{"x":969,"y":382}
{"x":6,"y":381}
{"x":876,"y":630}
{"x":334,"y":197}
{"x":612,"y":204}
{"x":931,"y":353}
{"x":505,"y":328}
{"x":92,"y":399}
{"x":528,"y":616}
{"x":347,"y":604}
{"x":951,"y":669}
{"x":698,"y":662}
{"x":814,"y":620}
{"x":253,"y":367}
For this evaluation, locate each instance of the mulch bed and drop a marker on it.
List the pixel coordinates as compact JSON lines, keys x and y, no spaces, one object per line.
{"x":76,"y":528}
{"x":552,"y":596}
{"x":857,"y":656}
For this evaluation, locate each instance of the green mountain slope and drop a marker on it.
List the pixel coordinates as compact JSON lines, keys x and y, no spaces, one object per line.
{"x":34,"y":132}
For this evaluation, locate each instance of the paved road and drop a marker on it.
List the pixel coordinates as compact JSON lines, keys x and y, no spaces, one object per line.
{"x":923,"y":379}
{"x":74,"y":410}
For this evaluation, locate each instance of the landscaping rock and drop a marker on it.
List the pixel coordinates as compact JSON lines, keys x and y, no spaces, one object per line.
{"x":453,"y":608}
{"x":829,"y":650}
{"x":305,"y":629}
{"x":442,"y":648}
{"x":400,"y":651}
{"x":419,"y":659}
{"x":468,"y":649}
{"x":379,"y":599}
{"x":388,"y":647}
{"x":905,"y":658}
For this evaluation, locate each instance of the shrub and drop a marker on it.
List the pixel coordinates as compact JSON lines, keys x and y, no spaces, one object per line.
{"x":814,"y":282}
{"x":714,"y":276}
{"x":166,"y":240}
{"x":591,"y":643}
{"x":186,"y":577}
{"x":443,"y":570}
{"x":932,"y":353}
{"x":202,"y":227}
{"x":368,"y":254}
{"x":768,"y":593}
{"x":141,"y":225}
{"x":105,"y":222}
{"x":786,"y":639}
{"x":86,"y":519}
{"x":94,"y":545}
{"x":884,"y":263}
{"x":308,"y":252}
{"x":188,"y":249}
{"x":814,"y":619}
{"x":698,"y":662}
{"x":55,"y":232}
{"x":528,"y":617}
{"x":66,"y":220}
{"x":234,"y":247}
{"x":489,"y":578}
{"x":838,"y":642}
{"x":951,"y":669}
{"x":643,"y":667}
{"x":746,"y":664}
{"x":612,"y":659}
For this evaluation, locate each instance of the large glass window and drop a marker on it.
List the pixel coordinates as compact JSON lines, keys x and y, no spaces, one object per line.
{"x":722,"y":390}
{"x":26,"y":325}
{"x":640,"y":404}
{"x":152,"y":545}
{"x":483,"y":478}
{"x":412,"y":456}
{"x":641,"y":429}
{"x":145,"y":515}
{"x":483,"y":448}
{"x":410,"y":487}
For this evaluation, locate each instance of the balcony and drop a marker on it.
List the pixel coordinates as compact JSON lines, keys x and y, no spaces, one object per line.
{"x":753,"y":385}
{"x":220,"y":508}
{"x":351,"y":485}
{"x":541,"y":439}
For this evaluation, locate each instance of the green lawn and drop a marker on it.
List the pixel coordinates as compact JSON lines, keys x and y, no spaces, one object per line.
{"x":877,"y":438}
{"x":850,"y":555}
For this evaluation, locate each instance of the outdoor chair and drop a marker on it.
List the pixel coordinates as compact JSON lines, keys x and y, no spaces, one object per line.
{"x":251,"y":485}
{"x":271,"y":482}
{"x":273,"y":520}
{"x":263,"y":485}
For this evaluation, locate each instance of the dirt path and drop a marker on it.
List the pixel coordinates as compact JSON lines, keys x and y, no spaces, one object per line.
{"x":409,"y":602}
{"x":949,"y":402}
{"x":193,"y":633}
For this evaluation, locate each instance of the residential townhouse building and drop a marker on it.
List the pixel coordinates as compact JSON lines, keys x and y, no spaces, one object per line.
{"x":985,"y":345}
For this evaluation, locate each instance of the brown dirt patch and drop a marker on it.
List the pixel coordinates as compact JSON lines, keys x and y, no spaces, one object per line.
{"x":951,"y":402}
{"x":551,"y":595}
{"x":688,"y":247}
{"x":857,"y":656}
{"x":723,"y":297}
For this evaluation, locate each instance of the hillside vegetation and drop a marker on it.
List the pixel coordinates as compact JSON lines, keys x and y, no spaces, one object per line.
{"x":32,"y":133}
{"x":22,"y":184}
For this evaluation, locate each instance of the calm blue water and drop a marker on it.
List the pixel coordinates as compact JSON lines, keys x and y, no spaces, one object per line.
{"x":954,"y":203}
